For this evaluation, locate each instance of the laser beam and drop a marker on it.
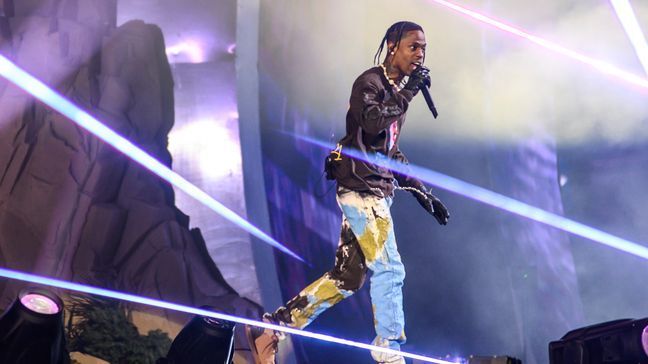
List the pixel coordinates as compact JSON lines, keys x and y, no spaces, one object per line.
{"x":598,"y":64}
{"x":51,"y":282}
{"x":494,"y":199}
{"x":628,"y":20}
{"x":57,"y":102}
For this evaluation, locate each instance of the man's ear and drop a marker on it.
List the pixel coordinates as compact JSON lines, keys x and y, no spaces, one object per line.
{"x":391,"y":47}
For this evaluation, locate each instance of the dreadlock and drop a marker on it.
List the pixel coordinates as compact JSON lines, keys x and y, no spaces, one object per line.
{"x":394,"y":35}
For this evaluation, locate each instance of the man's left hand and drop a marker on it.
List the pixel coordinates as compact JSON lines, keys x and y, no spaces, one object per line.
{"x":433,"y":206}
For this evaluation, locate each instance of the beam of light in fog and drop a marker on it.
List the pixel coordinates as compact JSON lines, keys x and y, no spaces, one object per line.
{"x":48,"y":96}
{"x":629,"y":21}
{"x":31,"y":278}
{"x":602,"y":66}
{"x":494,"y":199}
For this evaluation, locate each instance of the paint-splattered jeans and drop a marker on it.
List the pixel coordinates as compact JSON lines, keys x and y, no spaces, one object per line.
{"x":366,"y":242}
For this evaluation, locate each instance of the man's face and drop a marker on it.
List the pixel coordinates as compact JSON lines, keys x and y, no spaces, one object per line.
{"x":410,"y":52}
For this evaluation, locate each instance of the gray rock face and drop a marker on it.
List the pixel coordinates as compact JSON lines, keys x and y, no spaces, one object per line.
{"x":71,"y":206}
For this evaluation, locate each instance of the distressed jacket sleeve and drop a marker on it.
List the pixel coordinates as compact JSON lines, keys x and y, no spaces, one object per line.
{"x":405,"y":179}
{"x":370,"y":108}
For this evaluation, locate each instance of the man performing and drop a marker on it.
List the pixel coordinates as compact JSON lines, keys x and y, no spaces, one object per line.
{"x":376,"y":115}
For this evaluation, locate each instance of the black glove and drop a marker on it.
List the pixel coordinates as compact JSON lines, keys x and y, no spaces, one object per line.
{"x":432,"y":205}
{"x":419,"y":78}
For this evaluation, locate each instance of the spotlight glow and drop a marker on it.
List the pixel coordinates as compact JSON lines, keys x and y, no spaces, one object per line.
{"x":629,"y":21}
{"x":192,"y":49}
{"x":601,"y":66}
{"x":25,"y":277}
{"x":48,"y":96}
{"x":39,"y":303}
{"x":214,"y":147}
{"x":496,"y":200}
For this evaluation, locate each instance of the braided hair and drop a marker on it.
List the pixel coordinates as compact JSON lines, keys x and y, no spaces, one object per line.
{"x":394,"y":34}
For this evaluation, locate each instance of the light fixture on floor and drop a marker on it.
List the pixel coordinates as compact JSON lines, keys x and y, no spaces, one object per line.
{"x":31,"y":330}
{"x":203,"y":340}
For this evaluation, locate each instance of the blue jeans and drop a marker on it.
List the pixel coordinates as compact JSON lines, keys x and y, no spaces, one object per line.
{"x":370,"y":220}
{"x":366,"y":242}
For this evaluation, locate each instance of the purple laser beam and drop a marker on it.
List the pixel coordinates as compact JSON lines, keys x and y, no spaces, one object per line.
{"x":600,"y":65}
{"x":494,"y":199}
{"x":51,"y":282}
{"x":57,"y":102}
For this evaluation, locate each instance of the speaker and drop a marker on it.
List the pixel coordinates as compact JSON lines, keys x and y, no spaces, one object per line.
{"x":615,"y":342}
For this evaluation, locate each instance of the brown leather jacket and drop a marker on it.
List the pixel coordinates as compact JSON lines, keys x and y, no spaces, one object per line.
{"x":373,"y":124}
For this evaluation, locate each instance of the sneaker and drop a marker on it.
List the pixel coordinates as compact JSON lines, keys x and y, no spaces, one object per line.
{"x":263,"y":342}
{"x":399,"y":360}
{"x":384,"y":358}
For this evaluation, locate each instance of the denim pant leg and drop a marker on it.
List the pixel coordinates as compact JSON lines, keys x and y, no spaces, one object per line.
{"x":346,"y":277}
{"x":370,"y":221}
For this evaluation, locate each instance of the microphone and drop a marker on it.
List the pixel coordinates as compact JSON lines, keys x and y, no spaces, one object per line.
{"x":426,"y":92}
{"x":428,"y":99}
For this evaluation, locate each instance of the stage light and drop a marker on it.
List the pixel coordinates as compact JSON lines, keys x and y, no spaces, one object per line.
{"x":31,"y":330}
{"x":615,"y":342}
{"x":632,"y":28}
{"x":40,"y":303}
{"x":204,"y":340}
{"x":598,"y":64}
{"x":491,"y":198}
{"x":83,"y":119}
{"x":26,"y":277}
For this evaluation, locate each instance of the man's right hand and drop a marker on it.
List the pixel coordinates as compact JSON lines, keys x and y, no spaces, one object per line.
{"x":419,"y":78}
